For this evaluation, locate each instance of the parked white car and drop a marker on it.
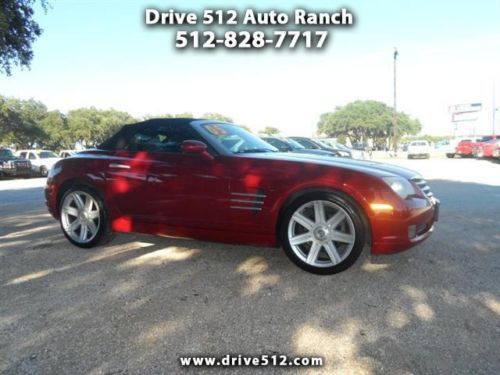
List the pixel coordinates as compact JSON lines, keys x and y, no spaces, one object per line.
{"x":66,"y":153}
{"x":331,"y":142}
{"x":41,"y":160}
{"x":419,"y":149}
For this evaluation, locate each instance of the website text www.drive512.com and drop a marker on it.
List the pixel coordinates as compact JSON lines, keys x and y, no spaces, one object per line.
{"x":263,"y":360}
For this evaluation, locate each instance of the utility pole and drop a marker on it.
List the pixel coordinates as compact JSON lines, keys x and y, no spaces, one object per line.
{"x":394,"y":111}
{"x":494,"y":109}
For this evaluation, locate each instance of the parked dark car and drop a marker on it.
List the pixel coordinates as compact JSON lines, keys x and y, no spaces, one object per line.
{"x":310,"y":144}
{"x":215,"y":181}
{"x":290,"y":145}
{"x":11,"y":166}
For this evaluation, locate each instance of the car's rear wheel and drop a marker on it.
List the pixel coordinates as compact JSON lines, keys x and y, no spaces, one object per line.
{"x":450,"y":156}
{"x":83,"y":217}
{"x":44,"y":171}
{"x":323,"y":233}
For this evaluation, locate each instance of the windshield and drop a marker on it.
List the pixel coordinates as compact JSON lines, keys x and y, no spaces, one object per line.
{"x":323,"y":143}
{"x":295,"y":145}
{"x":235,"y":139}
{"x":421,"y":143}
{"x":6,"y":154}
{"x":46,"y":154}
{"x":340,"y":146}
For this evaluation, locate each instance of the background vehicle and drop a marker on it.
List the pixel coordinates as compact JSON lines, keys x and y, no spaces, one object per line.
{"x":308,"y":143}
{"x":11,"y":166}
{"x":496,"y":150}
{"x":41,"y":160}
{"x":215,"y":181}
{"x":355,"y":154}
{"x":419,"y":149}
{"x":465,"y":148}
{"x":289,"y":145}
{"x":66,"y":153}
{"x":485,"y":147}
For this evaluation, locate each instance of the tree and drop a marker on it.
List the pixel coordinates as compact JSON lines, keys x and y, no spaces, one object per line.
{"x":18,"y":31}
{"x":270,"y":130}
{"x":184,"y":115}
{"x":217,"y":116}
{"x":360,"y":120}
{"x":150,"y":116}
{"x":91,"y":126}
{"x":21,"y":122}
{"x":56,"y":129}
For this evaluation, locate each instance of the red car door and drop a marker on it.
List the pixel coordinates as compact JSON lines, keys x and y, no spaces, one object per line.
{"x":127,"y":177}
{"x":152,"y":182}
{"x":196,"y":197}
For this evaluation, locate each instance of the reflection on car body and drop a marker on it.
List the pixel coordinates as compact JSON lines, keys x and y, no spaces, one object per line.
{"x":215,"y":181}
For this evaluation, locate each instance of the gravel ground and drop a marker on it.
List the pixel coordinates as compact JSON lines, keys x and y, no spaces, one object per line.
{"x":139,"y":303}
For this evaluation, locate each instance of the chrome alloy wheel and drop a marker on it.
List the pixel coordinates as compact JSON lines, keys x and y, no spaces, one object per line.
{"x":80,"y":216}
{"x":321,"y":233}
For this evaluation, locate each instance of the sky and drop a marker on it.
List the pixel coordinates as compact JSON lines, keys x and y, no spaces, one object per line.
{"x":100,"y":53}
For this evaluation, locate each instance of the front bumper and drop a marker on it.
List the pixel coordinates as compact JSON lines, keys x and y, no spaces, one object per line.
{"x":391,"y":235}
{"x":16,"y":172}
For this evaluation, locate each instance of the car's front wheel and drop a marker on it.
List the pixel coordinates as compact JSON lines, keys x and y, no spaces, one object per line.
{"x":323,"y":233}
{"x":44,"y":171}
{"x":83,"y":217}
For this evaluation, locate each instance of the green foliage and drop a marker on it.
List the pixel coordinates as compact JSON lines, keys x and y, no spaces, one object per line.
{"x":21,"y":125}
{"x":360,"y":120}
{"x":184,"y":115}
{"x":57,"y":134}
{"x":91,"y":126}
{"x":217,"y":116}
{"x":429,"y":138}
{"x":149,"y":116}
{"x":18,"y":31}
{"x":27,"y":123}
{"x":270,"y":130}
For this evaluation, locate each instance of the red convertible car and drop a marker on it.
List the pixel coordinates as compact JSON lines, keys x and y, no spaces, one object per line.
{"x":215,"y":181}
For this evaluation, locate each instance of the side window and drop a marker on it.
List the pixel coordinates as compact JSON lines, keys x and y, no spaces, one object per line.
{"x":161,"y":138}
{"x":307,"y":144}
{"x":32,"y":156}
{"x":280,"y":145}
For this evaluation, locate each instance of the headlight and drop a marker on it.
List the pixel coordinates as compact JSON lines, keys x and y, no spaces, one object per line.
{"x":55,"y":170}
{"x":400,"y":185}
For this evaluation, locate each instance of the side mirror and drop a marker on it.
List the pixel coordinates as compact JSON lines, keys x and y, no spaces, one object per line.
{"x":193,"y":147}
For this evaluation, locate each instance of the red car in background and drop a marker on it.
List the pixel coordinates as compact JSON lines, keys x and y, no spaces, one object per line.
{"x":465,"y":147}
{"x":486,"y":147}
{"x":215,"y":181}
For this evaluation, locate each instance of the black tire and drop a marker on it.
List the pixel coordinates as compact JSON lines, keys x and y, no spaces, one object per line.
{"x":450,"y":156}
{"x":410,"y":157}
{"x":350,"y":207}
{"x":104,"y":232}
{"x":44,"y":171}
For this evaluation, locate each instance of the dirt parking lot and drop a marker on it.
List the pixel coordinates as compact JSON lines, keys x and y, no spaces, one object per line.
{"x":137,"y":304}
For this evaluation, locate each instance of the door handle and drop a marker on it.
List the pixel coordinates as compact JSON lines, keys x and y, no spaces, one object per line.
{"x":121,"y":166}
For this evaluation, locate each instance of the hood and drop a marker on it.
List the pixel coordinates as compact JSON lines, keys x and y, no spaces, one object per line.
{"x":8,"y":158}
{"x":364,"y":166}
{"x":49,"y":161}
{"x":313,"y":152}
